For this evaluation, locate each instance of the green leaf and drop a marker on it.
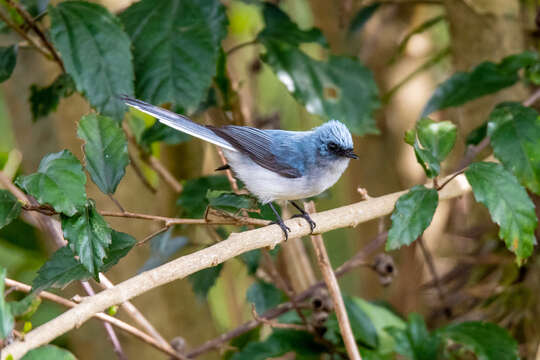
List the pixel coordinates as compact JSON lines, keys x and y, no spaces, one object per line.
{"x":203,"y":280}
{"x":96,"y":53}
{"x":437,"y":137}
{"x":508,"y":203}
{"x":486,"y":78}
{"x":264,"y":295}
{"x":8,"y":59}
{"x":362,"y":16}
{"x":476,"y":136}
{"x":59,"y":181}
{"x":105,"y":151}
{"x":415,"y":342}
{"x":10,"y":208}
{"x":6,"y":318}
{"x":63,"y":268}
{"x":48,"y":352}
{"x":176,"y":47}
{"x":25,"y":308}
{"x":488,"y":341}
{"x":280,"y":342}
{"x":412,"y":215}
{"x":164,"y":133}
{"x":193,"y":199}
{"x":162,"y":247}
{"x":515,"y":137}
{"x":89,"y":236}
{"x":334,"y":89}
{"x":230,"y":201}
{"x":279,"y":27}
{"x":44,"y":100}
{"x":251,"y":259}
{"x":35,"y":7}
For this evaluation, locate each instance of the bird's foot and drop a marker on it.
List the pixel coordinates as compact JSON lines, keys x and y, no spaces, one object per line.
{"x":285,"y":228}
{"x":308,"y":218}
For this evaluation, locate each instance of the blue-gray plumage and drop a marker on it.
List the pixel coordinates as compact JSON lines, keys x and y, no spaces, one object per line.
{"x":273,"y":164}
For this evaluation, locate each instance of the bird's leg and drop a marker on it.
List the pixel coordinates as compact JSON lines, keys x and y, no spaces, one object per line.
{"x":305,"y":215}
{"x":279,"y":221}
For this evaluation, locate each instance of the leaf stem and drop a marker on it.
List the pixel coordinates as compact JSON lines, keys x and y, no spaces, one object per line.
{"x":240,"y":46}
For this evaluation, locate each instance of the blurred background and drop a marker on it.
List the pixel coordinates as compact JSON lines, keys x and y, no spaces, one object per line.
{"x":411,"y":46}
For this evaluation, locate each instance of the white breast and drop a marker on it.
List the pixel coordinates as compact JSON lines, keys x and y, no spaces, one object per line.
{"x":268,"y":186}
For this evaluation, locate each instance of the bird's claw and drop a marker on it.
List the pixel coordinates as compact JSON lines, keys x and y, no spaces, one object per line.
{"x":283,"y":227}
{"x":308,"y":218}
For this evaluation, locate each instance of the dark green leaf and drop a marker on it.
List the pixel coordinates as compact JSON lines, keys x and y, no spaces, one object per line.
{"x":6,"y":318}
{"x":25,"y":308}
{"x":203,"y":280}
{"x":484,"y":79}
{"x":488,"y":341}
{"x":96,"y":53}
{"x":361,"y":325}
{"x":193,"y":198}
{"x":44,"y":100}
{"x":89,"y":236}
{"x":362,"y":17}
{"x":415,"y":342}
{"x":222,"y":80}
{"x":437,"y":137}
{"x":8,"y":59}
{"x":412,"y":215}
{"x":239,"y":342}
{"x":176,"y":47}
{"x":48,"y":352}
{"x":417,"y":30}
{"x":35,"y":7}
{"x":160,"y":132}
{"x":162,"y":247}
{"x":59,"y":181}
{"x":105,"y":151}
{"x":229,"y":201}
{"x":63,"y":268}
{"x":335,"y":89}
{"x":264,"y":295}
{"x":279,"y":343}
{"x":476,"y":136}
{"x":251,"y":259}
{"x":515,"y":137}
{"x":508,"y":203}
{"x":280,"y":28}
{"x":10,"y":208}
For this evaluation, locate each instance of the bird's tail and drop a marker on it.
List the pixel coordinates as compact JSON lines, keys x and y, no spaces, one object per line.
{"x":178,"y":122}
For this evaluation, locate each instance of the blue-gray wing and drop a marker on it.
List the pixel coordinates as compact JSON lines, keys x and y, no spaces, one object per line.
{"x":259,"y":146}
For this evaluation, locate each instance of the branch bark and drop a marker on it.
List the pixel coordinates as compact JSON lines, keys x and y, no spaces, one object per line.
{"x":236,"y":244}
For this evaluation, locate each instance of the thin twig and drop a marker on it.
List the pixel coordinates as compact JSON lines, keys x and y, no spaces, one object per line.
{"x":230,"y":177}
{"x":275,"y":324}
{"x":111,"y":334}
{"x":333,"y":288}
{"x":101,"y":316}
{"x":533,"y":98}
{"x":452,"y":177}
{"x":471,"y":153}
{"x":431,"y":266}
{"x":117,"y":203}
{"x":149,"y":237}
{"x":240,"y":46}
{"x":24,"y":35}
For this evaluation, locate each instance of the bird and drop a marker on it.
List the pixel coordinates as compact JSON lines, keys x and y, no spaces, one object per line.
{"x":272,"y":164}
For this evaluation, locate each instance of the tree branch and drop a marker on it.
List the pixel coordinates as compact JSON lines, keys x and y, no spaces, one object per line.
{"x":236,"y":244}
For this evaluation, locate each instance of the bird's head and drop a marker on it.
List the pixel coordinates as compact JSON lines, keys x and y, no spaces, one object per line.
{"x":335,"y":140}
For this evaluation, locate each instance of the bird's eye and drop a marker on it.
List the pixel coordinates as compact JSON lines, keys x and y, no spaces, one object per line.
{"x":332,"y":146}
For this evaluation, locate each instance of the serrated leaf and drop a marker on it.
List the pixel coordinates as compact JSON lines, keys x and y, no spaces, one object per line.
{"x":10,"y":208}
{"x":487,"y":341}
{"x":264,"y":296}
{"x":363,"y":330}
{"x":334,"y":89}
{"x":48,"y":352}
{"x":515,"y":137}
{"x":8,"y":59}
{"x":508,"y":203}
{"x":63,"y":268}
{"x":486,"y":78}
{"x":59,"y":181}
{"x":229,"y":201}
{"x":105,"y":150}
{"x":89,"y":236}
{"x":176,"y":47}
{"x":279,"y":27}
{"x":6,"y":318}
{"x":162,"y":247}
{"x":164,"y":133}
{"x":193,"y":198}
{"x":411,"y":216}
{"x":437,"y":137}
{"x":415,"y":342}
{"x":279,"y":343}
{"x":44,"y":100}
{"x":96,"y":53}
{"x":362,"y":16}
{"x":203,"y":280}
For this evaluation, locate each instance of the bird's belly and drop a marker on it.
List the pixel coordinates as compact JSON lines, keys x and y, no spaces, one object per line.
{"x":268,"y":186}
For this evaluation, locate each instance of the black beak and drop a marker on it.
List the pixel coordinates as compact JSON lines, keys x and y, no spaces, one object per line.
{"x":351,"y":154}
